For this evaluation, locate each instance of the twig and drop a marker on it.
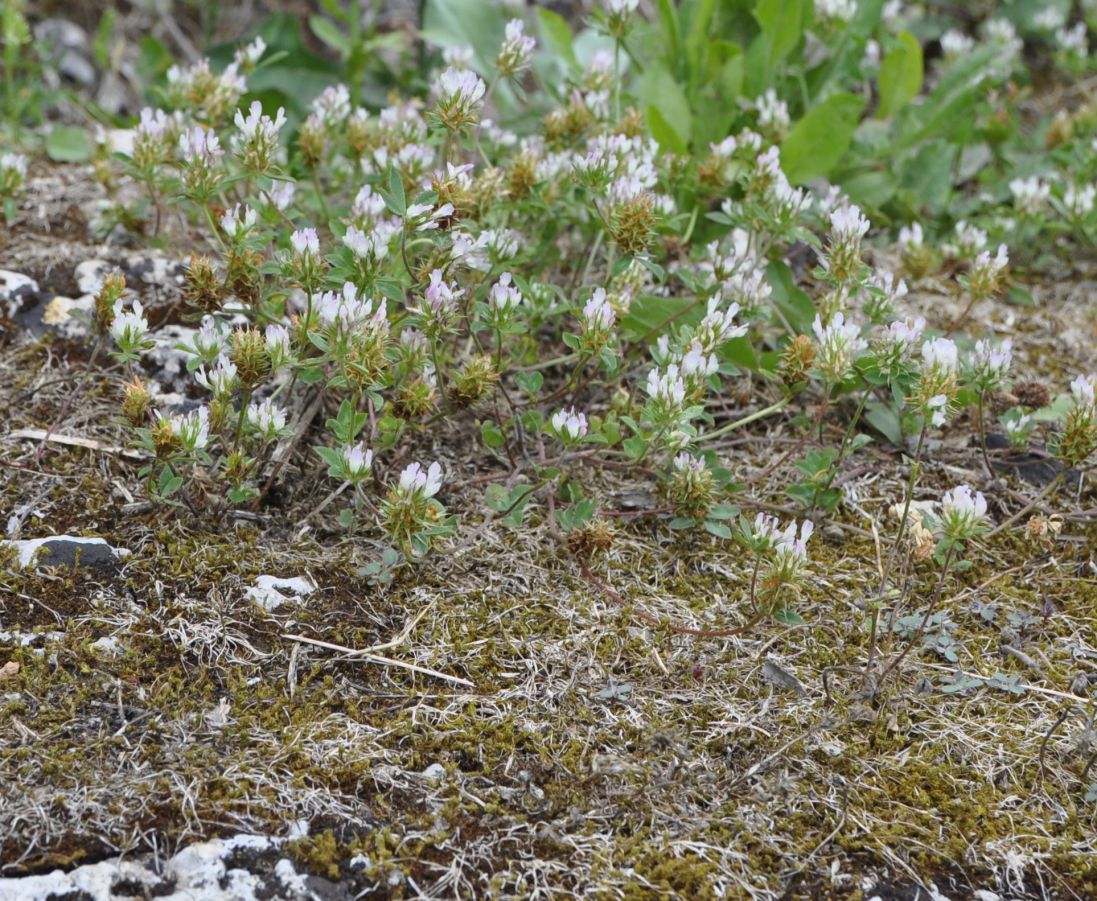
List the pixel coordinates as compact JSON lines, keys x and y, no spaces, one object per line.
{"x":384,"y":661}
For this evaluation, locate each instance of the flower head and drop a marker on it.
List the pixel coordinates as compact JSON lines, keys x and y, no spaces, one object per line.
{"x":569,"y":425}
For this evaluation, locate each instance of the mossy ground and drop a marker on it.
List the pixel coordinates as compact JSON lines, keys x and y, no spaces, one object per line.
{"x":596,"y":756}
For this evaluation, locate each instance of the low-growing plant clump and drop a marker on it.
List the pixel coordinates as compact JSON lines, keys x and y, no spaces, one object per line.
{"x":574,"y":262}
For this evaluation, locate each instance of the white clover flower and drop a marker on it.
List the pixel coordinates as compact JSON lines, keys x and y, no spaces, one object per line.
{"x":667,"y":389}
{"x":990,"y":364}
{"x":1029,"y":194}
{"x":719,"y":326}
{"x":208,"y":340}
{"x":129,"y":328}
{"x":424,"y":217}
{"x":968,"y":242}
{"x":839,"y":342}
{"x":267,"y":419}
{"x":357,"y":462}
{"x":277,"y":341}
{"x":686,"y":462}
{"x":569,"y":425}
{"x":504,"y":297}
{"x":441,"y":296}
{"x":281,"y":194}
{"x":1049,"y":19}
{"x":259,"y":126}
{"x":192,"y":429}
{"x":772,"y":112}
{"x":955,"y":44}
{"x":459,"y":94}
{"x":248,"y":56}
{"x":199,"y":147}
{"x":940,"y":354}
{"x":848,"y":223}
{"x":938,"y":407}
{"x":896,"y":342}
{"x":1079,"y":199}
{"x":305,"y":242}
{"x":414,"y":482}
{"x":598,"y":315}
{"x":911,"y":238}
{"x":1084,"y":388}
{"x":840,"y":11}
{"x":13,"y":172}
{"x":1002,"y":33}
{"x":517,"y":49}
{"x":697,"y":365}
{"x":963,"y":513}
{"x":368,"y":205}
{"x":793,"y":545}
{"x":332,"y":106}
{"x":458,"y":57}
{"x":221,"y":380}
{"x":235,"y":223}
{"x":1073,"y":40}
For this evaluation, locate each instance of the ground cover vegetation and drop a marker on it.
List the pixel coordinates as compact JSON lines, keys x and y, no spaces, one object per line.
{"x":681,"y":416}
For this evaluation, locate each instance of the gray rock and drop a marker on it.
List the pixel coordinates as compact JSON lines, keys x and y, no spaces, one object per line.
{"x":66,"y":550}
{"x":18,"y":292}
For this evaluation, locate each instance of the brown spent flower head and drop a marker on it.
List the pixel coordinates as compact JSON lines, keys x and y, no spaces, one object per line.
{"x":591,"y":538}
{"x":416,"y":398}
{"x":312,"y":142}
{"x":796,"y":359}
{"x":201,"y":286}
{"x":164,"y":440}
{"x":523,"y":174}
{"x":114,"y":286}
{"x":136,"y":402}
{"x":220,"y":412}
{"x":249,"y":354}
{"x":1032,"y":395}
{"x":632,"y":124}
{"x":1044,"y":529}
{"x":633,"y":223}
{"x":242,"y":277}
{"x":473,"y":380}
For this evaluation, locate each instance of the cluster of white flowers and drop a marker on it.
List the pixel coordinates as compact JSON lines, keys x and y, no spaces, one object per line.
{"x":940,"y":361}
{"x":1079,"y":200}
{"x":349,"y":312}
{"x":237,"y":223}
{"x":968,"y":240}
{"x":192,"y":429}
{"x":517,"y":49}
{"x":895,"y":343}
{"x":13,"y":172}
{"x":417,"y":483}
{"x":719,"y":324}
{"x":129,"y":328}
{"x":989,"y":365}
{"x":773,"y":115}
{"x":569,"y":425}
{"x":257,"y":136}
{"x":268,"y":420}
{"x":200,"y":147}
{"x":963,"y":513}
{"x":955,"y":44}
{"x":370,"y":248}
{"x":598,"y":319}
{"x":1029,"y":194}
{"x":357,"y":462}
{"x":221,"y":380}
{"x":839,"y":342}
{"x":791,"y":540}
{"x":1073,"y":41}
{"x":459,"y":94}
{"x":1084,"y":390}
{"x":840,"y":11}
